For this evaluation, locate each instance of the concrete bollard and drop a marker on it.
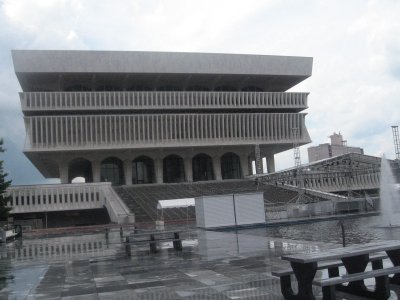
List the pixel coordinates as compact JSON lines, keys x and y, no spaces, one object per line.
{"x":177,"y":242}
{"x":128,"y":247}
{"x":153,"y":244}
{"x":107,"y":230}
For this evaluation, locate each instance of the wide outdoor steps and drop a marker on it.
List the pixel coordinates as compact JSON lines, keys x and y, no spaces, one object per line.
{"x":142,"y":199}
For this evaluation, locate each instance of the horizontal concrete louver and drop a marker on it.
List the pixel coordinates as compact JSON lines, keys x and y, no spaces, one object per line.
{"x":86,"y":131}
{"x":67,"y":101}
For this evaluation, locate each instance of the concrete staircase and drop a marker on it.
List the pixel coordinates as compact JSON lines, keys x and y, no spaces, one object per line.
{"x":142,"y":199}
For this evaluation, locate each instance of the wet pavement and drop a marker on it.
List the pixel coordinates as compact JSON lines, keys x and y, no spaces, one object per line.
{"x":212,"y":265}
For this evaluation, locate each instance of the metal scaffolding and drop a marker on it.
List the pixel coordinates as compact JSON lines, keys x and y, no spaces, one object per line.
{"x":296,"y":148}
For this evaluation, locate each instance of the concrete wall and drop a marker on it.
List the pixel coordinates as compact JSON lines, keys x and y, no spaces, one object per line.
{"x":68,"y":197}
{"x":230,"y":210}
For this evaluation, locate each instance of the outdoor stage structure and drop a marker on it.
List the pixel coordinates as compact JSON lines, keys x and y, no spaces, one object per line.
{"x":157,"y":117}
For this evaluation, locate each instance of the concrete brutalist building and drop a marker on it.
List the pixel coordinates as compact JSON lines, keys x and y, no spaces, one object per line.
{"x":158,"y":117}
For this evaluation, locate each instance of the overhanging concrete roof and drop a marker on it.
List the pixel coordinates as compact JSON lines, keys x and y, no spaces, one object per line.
{"x":36,"y":67}
{"x":66,"y":61}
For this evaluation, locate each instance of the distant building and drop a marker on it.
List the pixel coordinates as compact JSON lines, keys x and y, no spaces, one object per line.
{"x":338,"y":146}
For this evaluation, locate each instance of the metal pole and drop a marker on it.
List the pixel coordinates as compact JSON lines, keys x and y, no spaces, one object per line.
{"x":234,"y":209}
{"x":128,"y":247}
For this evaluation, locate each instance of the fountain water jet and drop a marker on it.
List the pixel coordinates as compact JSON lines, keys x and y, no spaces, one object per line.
{"x":389,"y":196}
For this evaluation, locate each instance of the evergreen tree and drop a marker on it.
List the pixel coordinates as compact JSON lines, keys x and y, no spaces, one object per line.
{"x":4,"y":184}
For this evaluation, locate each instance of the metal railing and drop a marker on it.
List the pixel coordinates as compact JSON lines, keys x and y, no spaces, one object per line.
{"x":63,"y":197}
{"x":43,"y":101}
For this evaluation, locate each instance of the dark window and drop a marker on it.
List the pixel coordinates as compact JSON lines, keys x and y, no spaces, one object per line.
{"x":142,"y":170}
{"x":80,"y":167}
{"x":202,"y":167}
{"x":230,"y":166}
{"x":112,"y":171}
{"x":173,"y":169}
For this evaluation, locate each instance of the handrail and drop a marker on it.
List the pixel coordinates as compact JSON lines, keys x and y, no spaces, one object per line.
{"x":61,"y":197}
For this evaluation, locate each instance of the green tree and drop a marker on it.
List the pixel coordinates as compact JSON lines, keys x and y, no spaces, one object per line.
{"x":4,"y":184}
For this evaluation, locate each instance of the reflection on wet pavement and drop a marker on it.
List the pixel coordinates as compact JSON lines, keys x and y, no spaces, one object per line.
{"x":212,"y":265}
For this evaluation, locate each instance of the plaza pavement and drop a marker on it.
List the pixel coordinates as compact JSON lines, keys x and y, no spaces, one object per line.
{"x":212,"y":265}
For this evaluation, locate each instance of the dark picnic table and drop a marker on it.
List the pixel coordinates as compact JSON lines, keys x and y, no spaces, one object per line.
{"x":355,"y":259}
{"x":154,"y":237}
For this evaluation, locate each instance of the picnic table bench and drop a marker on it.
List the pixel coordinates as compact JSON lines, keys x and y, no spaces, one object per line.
{"x":153,"y":238}
{"x":354,"y":259}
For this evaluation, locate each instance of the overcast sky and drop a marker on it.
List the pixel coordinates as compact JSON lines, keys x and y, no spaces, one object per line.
{"x":354,"y":89}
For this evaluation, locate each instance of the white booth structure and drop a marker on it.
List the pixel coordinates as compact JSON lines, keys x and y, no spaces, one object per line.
{"x":174,"y":203}
{"x":230,"y":210}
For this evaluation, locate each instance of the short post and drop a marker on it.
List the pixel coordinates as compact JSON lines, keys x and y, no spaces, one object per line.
{"x":177,"y":242}
{"x":121,"y":232}
{"x":18,"y":230}
{"x":128,"y":247}
{"x":343,"y":234}
{"x":107,"y":233}
{"x":153,"y":245}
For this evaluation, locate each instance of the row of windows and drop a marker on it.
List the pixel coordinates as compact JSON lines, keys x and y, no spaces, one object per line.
{"x":143,"y":170}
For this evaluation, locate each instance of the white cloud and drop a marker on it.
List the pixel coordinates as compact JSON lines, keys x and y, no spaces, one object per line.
{"x":355,"y":85}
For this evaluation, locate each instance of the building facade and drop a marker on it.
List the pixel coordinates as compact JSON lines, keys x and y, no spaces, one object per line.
{"x":158,"y":117}
{"x":337,"y":147}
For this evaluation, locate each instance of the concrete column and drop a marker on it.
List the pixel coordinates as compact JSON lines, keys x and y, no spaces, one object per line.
{"x":258,"y":159}
{"x":128,"y":171}
{"x":217,"y":167}
{"x":158,"y":167}
{"x":188,"y":169}
{"x":270,"y":163}
{"x":244,"y":160}
{"x":96,"y":164}
{"x":63,"y":170}
{"x":250,"y":165}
